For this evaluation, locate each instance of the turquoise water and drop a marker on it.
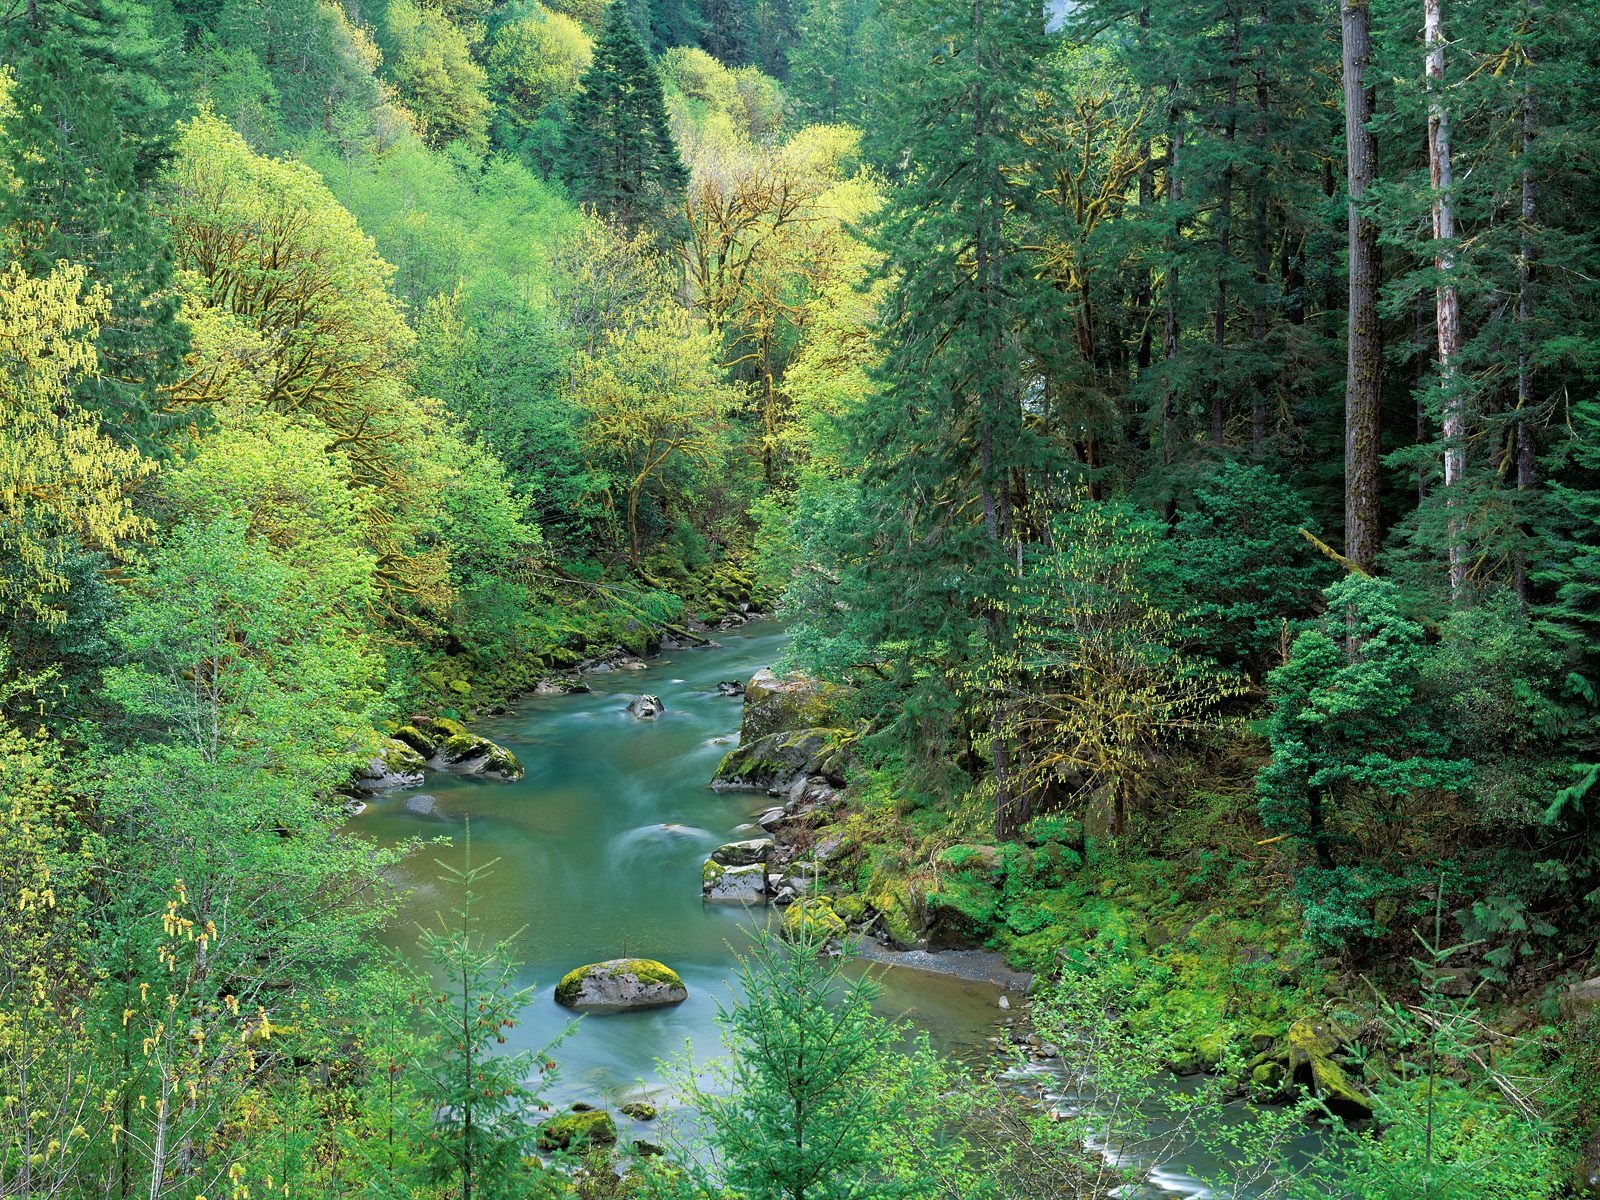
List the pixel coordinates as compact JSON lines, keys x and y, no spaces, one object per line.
{"x":598,"y":855}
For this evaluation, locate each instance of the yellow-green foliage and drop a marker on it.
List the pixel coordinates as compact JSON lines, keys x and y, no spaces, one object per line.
{"x":59,"y":474}
{"x":539,"y":59}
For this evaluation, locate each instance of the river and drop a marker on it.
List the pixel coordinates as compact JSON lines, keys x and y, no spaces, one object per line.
{"x":598,"y":855}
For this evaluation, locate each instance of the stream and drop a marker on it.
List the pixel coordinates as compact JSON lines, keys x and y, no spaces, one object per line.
{"x":598,"y":855}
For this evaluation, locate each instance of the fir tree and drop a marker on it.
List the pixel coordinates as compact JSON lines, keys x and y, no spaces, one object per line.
{"x":944,"y":438}
{"x":619,"y":156}
{"x":477,"y":1100}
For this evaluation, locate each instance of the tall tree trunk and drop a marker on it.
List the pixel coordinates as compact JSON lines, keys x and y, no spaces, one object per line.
{"x":1527,"y":465}
{"x":1261,"y":264}
{"x":994,"y":493}
{"x":1447,"y":298}
{"x":1363,"y":389}
{"x":1169,"y":391}
{"x":1219,"y":324}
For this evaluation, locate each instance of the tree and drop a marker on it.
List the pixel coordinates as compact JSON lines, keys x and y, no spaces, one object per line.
{"x":653,"y":399}
{"x":1097,"y":684}
{"x":61,"y":478}
{"x":536,"y":61}
{"x":76,"y":193}
{"x":439,"y":81}
{"x":618,"y":155}
{"x":1357,"y":758}
{"x":1363,"y":389}
{"x":945,"y":440}
{"x":475,"y":1101}
{"x":815,"y":1099}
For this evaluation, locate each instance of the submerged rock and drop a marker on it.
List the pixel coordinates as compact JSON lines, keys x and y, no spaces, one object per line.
{"x":422,"y":805}
{"x":620,"y":984}
{"x":646,"y":707}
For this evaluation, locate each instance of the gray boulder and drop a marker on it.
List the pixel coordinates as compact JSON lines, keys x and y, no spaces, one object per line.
{"x":734,"y":885}
{"x":743,"y":854}
{"x":395,"y":765}
{"x":422,"y":805}
{"x":646,"y":707}
{"x":620,"y":984}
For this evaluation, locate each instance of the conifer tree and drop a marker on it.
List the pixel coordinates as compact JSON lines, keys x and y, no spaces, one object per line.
{"x":477,"y":1100}
{"x":944,"y":438}
{"x":618,"y":156}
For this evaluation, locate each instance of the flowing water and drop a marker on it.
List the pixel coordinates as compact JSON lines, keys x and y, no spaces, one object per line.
{"x":598,"y":852}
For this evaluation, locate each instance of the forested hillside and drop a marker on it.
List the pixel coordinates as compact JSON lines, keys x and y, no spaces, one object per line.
{"x":1169,"y":430}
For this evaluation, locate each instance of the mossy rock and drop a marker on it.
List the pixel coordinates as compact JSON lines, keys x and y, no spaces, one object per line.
{"x":979,"y":861}
{"x":743,"y":854}
{"x":1312,"y":1045}
{"x":576,"y":1130}
{"x":898,"y":910}
{"x":813,"y":918}
{"x":474,"y":755}
{"x":621,"y":984}
{"x":961,"y":914}
{"x":417,"y":740}
{"x":400,"y":758}
{"x":773,"y":762}
{"x":461,"y":687}
{"x":640,"y":1110}
{"x":446,"y":727}
{"x":737,"y":885}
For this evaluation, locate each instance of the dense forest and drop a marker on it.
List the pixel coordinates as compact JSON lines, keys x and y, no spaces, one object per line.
{"x":1168,"y":428}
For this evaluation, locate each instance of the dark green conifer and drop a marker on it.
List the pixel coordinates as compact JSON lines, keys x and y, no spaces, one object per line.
{"x":619,"y":157}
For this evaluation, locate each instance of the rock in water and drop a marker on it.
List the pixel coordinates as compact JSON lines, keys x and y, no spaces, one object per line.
{"x":574,"y":1130}
{"x":742,"y":854}
{"x":734,"y":885}
{"x":646,"y":707}
{"x":422,"y":805}
{"x":620,"y":984}
{"x":730,"y":688}
{"x":469,"y":754}
{"x":397,"y":765}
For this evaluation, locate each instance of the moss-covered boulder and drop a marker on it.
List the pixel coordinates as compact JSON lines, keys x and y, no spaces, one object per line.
{"x":900,"y":913}
{"x":774,"y":762}
{"x":1312,"y":1045}
{"x":620,"y":984}
{"x":420,"y":742}
{"x":469,"y":754}
{"x":743,"y":854}
{"x":577,"y":1130}
{"x":639,"y":1110}
{"x":734,"y":885}
{"x":980,"y":861}
{"x":394,"y":765}
{"x":774,"y":705}
{"x":812,"y":917}
{"x":960,"y":914}
{"x":442,"y":727}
